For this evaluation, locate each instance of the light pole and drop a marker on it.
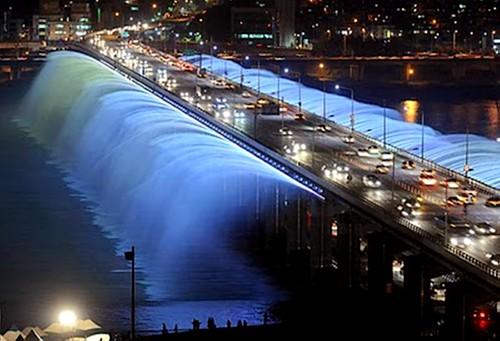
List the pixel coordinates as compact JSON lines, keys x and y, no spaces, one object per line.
{"x":258,"y":76}
{"x":385,"y":124}
{"x":324,"y":101}
{"x":130,"y":256}
{"x":454,"y":40}
{"x":422,"y":142}
{"x":338,"y":87}
{"x":247,"y":58}
{"x":201,"y":55}
{"x":467,"y":168}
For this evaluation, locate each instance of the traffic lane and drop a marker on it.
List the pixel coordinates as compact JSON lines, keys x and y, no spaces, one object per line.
{"x":184,"y":73}
{"x":236,"y":99}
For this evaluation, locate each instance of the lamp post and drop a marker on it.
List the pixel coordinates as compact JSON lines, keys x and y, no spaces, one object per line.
{"x":338,"y":87}
{"x":324,"y":100}
{"x":130,"y":256}
{"x":247,"y":58}
{"x":385,"y":124}
{"x":422,"y":142}
{"x":258,"y":76}
{"x":467,"y":168}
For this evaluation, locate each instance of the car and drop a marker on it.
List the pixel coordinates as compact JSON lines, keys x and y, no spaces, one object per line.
{"x":249,"y":106}
{"x":452,"y":223}
{"x":349,"y":152}
{"x":382,"y":169}
{"x":262,"y":101}
{"x":411,"y":202}
{"x":451,"y":183}
{"x":467,"y":196}
{"x":363,"y":152}
{"x":373,"y":150}
{"x":299,"y":117}
{"x":406,"y":211}
{"x":494,"y":259}
{"x":408,"y":164}
{"x":294,"y":148}
{"x":454,"y":201}
{"x":428,"y":172}
{"x":427,"y":180}
{"x":387,"y":156}
{"x":246,"y":94}
{"x":460,"y":240}
{"x":323,"y":128}
{"x":493,"y":201}
{"x":285,"y":131}
{"x":372,"y":181}
{"x":229,"y":86}
{"x":484,"y":228}
{"x":219,"y":83}
{"x":349,"y":139}
{"x":334,"y":168}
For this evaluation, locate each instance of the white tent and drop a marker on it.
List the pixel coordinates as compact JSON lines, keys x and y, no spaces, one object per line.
{"x":13,"y":335}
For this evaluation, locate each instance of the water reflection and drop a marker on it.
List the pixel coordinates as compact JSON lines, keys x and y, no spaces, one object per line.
{"x":410,"y":110}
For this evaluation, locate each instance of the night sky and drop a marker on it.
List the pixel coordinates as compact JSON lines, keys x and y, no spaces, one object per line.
{"x":21,"y":8}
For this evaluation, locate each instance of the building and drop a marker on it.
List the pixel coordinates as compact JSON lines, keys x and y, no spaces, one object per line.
{"x":56,"y":23}
{"x":285,"y":10}
{"x":253,"y":25}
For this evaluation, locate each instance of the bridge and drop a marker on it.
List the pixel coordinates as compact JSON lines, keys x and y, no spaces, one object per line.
{"x":346,"y":210}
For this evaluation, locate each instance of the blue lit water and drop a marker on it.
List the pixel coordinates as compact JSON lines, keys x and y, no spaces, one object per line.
{"x":445,"y":149}
{"x":139,"y":173}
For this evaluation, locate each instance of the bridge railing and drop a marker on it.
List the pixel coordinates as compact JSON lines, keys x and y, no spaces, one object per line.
{"x":195,"y":112}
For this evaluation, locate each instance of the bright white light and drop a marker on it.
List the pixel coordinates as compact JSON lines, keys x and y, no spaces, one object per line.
{"x":67,"y":318}
{"x":337,"y":87}
{"x":286,"y":70}
{"x":247,"y":58}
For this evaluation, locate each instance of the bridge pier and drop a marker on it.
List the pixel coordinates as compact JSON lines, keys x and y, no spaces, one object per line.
{"x":379,"y":264}
{"x":456,"y":306}
{"x":416,"y":294}
{"x":348,"y":249}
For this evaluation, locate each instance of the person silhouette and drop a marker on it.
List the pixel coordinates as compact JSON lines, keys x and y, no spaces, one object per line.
{"x":176,"y":328}
{"x":211,"y":323}
{"x":228,"y":324}
{"x":164,"y":329}
{"x":196,"y":324}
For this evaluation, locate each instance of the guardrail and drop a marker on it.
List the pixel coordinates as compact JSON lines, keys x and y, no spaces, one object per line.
{"x":275,"y":159}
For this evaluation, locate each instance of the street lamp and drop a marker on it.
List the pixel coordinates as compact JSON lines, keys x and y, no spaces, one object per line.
{"x":338,"y":87}
{"x":67,"y":318}
{"x":130,"y":256}
{"x":246,"y":59}
{"x":422,"y":136}
{"x":286,"y":70}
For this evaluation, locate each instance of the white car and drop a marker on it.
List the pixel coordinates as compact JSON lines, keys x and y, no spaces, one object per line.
{"x":373,"y":150}
{"x":285,"y":131}
{"x":349,"y":139}
{"x":387,"y":156}
{"x":372,"y":181}
{"x":461,"y":241}
{"x":363,"y":152}
{"x":323,"y":128}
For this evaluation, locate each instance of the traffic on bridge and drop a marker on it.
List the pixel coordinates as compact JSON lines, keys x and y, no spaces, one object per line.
{"x":453,"y":210}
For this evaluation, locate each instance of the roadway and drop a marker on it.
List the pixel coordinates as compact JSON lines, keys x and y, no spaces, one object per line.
{"x":323,"y":148}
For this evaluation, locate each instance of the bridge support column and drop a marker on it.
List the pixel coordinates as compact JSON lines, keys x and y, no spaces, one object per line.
{"x":348,"y":250}
{"x":416,"y":293}
{"x":379,"y":264}
{"x":455,"y":311}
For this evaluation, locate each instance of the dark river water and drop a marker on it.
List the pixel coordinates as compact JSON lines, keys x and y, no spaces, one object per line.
{"x":54,"y":256}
